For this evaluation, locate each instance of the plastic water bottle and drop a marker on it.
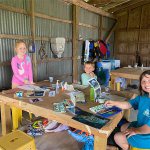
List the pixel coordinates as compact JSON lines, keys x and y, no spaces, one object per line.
{"x":92,"y":95}
{"x":57,"y":87}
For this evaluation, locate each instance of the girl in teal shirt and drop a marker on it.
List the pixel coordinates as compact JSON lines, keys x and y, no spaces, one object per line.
{"x":137,"y":133}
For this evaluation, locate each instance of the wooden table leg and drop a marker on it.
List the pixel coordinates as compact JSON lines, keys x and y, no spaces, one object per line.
{"x":100,"y":143}
{"x":5,"y":118}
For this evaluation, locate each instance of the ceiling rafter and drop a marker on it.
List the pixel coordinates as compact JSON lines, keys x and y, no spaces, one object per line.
{"x":131,"y":4}
{"x":113,"y":5}
{"x":81,"y":3}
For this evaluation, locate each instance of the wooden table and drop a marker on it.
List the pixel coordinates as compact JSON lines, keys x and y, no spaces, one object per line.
{"x":128,"y":73}
{"x":45,"y":109}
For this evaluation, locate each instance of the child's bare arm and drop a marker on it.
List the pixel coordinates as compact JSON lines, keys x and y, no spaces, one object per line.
{"x":123,"y":105}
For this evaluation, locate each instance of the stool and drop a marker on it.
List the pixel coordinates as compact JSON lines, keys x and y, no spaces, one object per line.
{"x":17,"y":140}
{"x":133,"y":148}
{"x":17,"y":117}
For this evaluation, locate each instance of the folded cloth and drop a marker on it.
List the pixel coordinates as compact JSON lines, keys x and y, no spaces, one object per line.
{"x":40,"y":127}
{"x":83,"y":137}
{"x":58,"y":128}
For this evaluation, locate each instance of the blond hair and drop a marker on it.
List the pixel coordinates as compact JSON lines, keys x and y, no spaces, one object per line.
{"x":18,"y":42}
{"x":90,"y":63}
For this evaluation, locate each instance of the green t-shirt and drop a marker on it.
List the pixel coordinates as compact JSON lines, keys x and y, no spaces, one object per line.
{"x":85,"y":77}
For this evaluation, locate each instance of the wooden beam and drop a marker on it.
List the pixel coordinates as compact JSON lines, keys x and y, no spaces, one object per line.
{"x":87,"y":25}
{"x":115,"y":4}
{"x":34,"y":61}
{"x":130,"y":5}
{"x":25,"y":37}
{"x":75,"y":42}
{"x":51,"y":18}
{"x":14,"y":36}
{"x":39,"y":61}
{"x":139,"y":33}
{"x":91,"y":8}
{"x":5,"y":63}
{"x":100,"y":23}
{"x":111,"y":31}
{"x":13,"y":9}
{"x":98,"y":1}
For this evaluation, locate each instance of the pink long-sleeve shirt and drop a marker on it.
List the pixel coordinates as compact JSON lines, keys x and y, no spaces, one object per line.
{"x":22,"y":70}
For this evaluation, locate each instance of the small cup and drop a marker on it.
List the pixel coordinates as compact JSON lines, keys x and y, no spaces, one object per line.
{"x":136,"y":65}
{"x":51,"y":79}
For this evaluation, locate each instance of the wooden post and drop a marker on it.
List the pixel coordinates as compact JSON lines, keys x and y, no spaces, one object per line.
{"x":75,"y":41}
{"x":100,"y":143}
{"x":111,"y":31}
{"x":5,"y":118}
{"x":100,"y":27}
{"x":34,"y":61}
{"x":139,"y":34}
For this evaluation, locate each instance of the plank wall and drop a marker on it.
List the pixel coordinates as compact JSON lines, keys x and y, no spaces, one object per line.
{"x":133,"y":34}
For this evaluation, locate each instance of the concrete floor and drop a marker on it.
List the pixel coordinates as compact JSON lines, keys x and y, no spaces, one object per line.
{"x":57,"y":141}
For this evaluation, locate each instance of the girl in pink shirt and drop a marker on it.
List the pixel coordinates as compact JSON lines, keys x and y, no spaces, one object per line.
{"x":21,"y":66}
{"x":22,"y":74}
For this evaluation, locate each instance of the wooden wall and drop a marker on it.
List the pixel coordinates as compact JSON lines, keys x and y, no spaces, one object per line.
{"x":133,"y":34}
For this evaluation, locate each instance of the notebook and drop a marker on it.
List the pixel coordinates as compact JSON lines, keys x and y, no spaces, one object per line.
{"x":109,"y":112}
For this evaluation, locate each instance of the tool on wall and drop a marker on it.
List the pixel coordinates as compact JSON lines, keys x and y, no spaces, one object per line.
{"x":43,"y":55}
{"x":42,"y":51}
{"x":31,"y":47}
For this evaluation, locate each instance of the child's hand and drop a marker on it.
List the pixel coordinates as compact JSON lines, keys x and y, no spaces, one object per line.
{"x":129,"y":132}
{"x":92,"y":74}
{"x":26,"y":81}
{"x":32,"y":83}
{"x":109,"y":103}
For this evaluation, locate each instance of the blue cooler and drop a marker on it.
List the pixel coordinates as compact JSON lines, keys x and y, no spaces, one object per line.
{"x":102,"y":72}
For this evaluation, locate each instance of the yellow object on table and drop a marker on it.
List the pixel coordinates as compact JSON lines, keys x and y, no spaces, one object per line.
{"x":17,"y":140}
{"x":118,"y":86}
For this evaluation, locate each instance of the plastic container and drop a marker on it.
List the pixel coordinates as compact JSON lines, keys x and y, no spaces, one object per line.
{"x":106,"y":64}
{"x":57,"y":87}
{"x":92,"y":95}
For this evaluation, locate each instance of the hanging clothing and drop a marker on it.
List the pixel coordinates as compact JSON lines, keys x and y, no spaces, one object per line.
{"x":86,"y":52}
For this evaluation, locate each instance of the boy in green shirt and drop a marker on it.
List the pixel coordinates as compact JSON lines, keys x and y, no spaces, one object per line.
{"x":88,"y":68}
